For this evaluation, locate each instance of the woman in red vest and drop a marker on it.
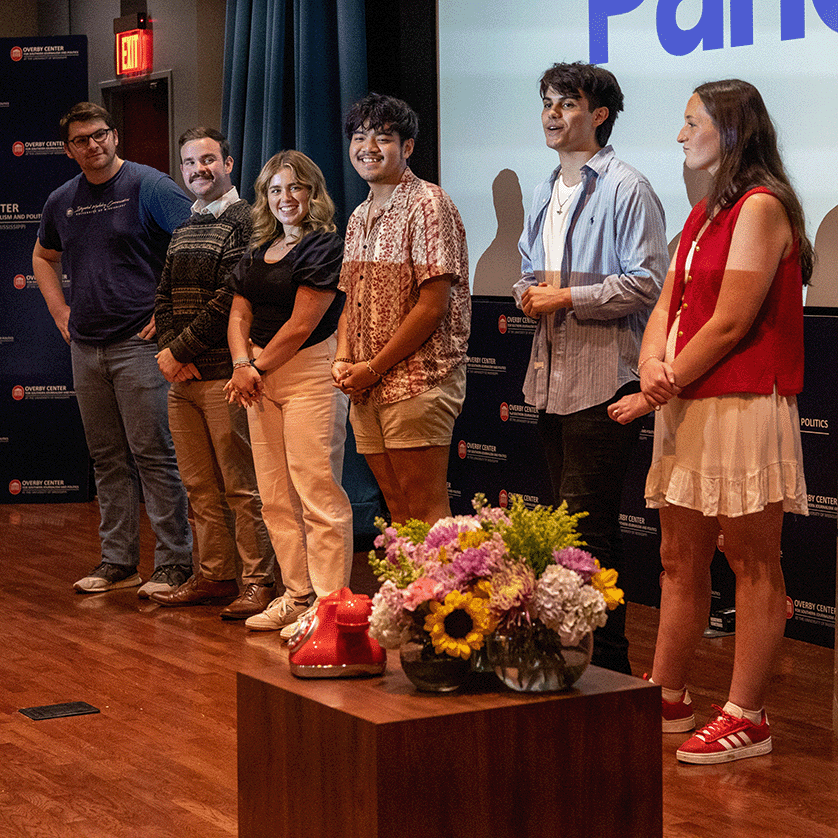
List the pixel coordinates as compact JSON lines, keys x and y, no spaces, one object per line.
{"x":722,"y":362}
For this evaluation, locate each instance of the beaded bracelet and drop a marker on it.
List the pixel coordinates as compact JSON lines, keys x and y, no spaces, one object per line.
{"x":343,"y":361}
{"x":242,"y":362}
{"x":648,"y":358}
{"x":369,"y":367}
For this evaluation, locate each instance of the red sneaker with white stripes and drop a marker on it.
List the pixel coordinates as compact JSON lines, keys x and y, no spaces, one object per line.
{"x":726,"y":738}
{"x":676,"y":716}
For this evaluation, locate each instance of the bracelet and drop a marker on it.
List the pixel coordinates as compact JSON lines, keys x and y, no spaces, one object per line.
{"x":647,"y":358}
{"x":237,"y":365}
{"x":342,"y":360}
{"x":253,"y":364}
{"x":376,"y":374}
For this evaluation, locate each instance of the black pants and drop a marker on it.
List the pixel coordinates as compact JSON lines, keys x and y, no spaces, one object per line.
{"x":588,"y":455}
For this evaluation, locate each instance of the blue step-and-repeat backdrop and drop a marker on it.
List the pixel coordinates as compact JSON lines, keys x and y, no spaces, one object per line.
{"x":43,"y":456}
{"x":496,"y":450}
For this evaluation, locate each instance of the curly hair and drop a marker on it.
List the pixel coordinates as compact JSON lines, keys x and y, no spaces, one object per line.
{"x":599,"y":85}
{"x":379,"y":112}
{"x":321,"y":208}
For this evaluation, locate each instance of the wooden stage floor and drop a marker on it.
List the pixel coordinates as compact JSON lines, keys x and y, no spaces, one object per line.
{"x":159,"y":760}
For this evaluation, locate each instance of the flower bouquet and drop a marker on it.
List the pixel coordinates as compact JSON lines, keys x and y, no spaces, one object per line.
{"x":513,"y":583}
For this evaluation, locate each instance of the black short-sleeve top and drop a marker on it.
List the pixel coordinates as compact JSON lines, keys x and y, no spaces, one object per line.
{"x":271,"y":288}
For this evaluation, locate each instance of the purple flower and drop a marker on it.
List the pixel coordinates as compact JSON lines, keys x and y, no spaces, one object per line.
{"x":468,"y":564}
{"x":578,"y":560}
{"x":446,"y":531}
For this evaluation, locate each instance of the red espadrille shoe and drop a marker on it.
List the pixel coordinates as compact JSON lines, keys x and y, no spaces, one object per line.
{"x":726,"y":738}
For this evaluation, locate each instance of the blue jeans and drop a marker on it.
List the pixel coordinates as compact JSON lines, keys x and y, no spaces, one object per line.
{"x":122,"y":398}
{"x":588,"y":454}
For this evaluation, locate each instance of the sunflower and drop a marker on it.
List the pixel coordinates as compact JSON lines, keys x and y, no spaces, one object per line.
{"x":458,"y":625}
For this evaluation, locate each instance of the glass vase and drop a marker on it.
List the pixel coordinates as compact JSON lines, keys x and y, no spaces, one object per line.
{"x":534,"y":659}
{"x":430,"y":671}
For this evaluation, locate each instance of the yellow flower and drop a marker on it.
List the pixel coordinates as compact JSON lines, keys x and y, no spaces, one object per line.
{"x":605,"y":581}
{"x":472,"y":538}
{"x":483,"y":590}
{"x":459,"y":625}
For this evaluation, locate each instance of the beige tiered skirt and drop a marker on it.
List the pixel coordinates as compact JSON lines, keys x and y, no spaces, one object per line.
{"x":727,"y":455}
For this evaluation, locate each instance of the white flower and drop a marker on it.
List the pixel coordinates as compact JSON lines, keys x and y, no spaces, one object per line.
{"x":566,"y":605}
{"x":388,"y":623}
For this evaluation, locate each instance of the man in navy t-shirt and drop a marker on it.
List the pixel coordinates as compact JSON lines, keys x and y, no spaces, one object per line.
{"x":111,"y":225}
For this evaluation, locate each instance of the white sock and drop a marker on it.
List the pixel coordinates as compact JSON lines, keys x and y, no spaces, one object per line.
{"x":753,"y":716}
{"x":674,"y":696}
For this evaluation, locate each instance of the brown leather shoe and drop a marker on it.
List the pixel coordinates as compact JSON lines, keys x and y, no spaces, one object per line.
{"x":254,"y":599}
{"x":198,"y":590}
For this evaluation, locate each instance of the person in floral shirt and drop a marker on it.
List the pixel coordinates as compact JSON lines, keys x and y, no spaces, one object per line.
{"x":403,"y":335}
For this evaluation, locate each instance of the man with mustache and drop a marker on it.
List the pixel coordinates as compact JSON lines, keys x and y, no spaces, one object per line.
{"x":110,"y":226}
{"x":211,"y":436}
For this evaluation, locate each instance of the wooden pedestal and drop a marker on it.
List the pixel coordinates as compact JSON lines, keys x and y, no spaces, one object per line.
{"x":374,"y":758}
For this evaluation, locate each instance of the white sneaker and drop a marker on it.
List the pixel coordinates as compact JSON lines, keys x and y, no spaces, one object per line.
{"x":282,"y":611}
{"x":289,"y":631}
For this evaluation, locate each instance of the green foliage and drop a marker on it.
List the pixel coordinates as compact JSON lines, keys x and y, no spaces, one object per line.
{"x":533,"y":534}
{"x":413,"y":530}
{"x":404,"y":572}
{"x":401,"y":574}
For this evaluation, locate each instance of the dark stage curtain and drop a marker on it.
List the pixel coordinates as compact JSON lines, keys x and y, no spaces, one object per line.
{"x":291,"y":70}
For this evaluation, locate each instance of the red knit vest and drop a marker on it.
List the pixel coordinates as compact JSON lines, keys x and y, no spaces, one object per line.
{"x":771,"y":353}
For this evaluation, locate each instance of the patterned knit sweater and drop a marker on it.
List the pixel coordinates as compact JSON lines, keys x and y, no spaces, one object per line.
{"x":193,"y":299}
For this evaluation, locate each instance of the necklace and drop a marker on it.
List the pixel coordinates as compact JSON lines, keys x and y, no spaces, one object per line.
{"x":569,"y":191}
{"x":282,"y":244}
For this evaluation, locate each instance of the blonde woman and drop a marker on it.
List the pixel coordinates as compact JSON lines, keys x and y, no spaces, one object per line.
{"x":282,"y":339}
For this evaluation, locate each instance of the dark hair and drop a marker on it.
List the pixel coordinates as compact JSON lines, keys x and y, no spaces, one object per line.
{"x":749,"y":155}
{"x":201,"y":133}
{"x":83,"y":112}
{"x":321,"y":208}
{"x":599,"y":86}
{"x":379,"y":112}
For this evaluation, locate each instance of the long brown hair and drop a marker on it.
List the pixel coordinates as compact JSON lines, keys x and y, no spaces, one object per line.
{"x":321,"y":208}
{"x":749,"y":156}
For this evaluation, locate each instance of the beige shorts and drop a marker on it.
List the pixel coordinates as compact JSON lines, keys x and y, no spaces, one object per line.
{"x":422,"y":421}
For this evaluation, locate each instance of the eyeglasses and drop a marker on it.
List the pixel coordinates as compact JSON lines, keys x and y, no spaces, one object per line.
{"x":97,"y":137}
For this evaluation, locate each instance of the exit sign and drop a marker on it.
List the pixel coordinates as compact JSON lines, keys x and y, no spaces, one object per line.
{"x":134,"y":52}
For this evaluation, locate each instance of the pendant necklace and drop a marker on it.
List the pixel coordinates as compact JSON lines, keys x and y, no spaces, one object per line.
{"x":569,"y":192}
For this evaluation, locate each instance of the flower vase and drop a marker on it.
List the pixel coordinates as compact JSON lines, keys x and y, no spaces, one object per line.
{"x":534,"y":658}
{"x":430,"y":671}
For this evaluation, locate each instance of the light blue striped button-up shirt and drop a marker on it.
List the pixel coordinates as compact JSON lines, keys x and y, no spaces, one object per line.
{"x":614,"y":261}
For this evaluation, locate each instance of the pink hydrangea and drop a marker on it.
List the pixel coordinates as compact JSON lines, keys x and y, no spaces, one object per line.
{"x":422,"y":590}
